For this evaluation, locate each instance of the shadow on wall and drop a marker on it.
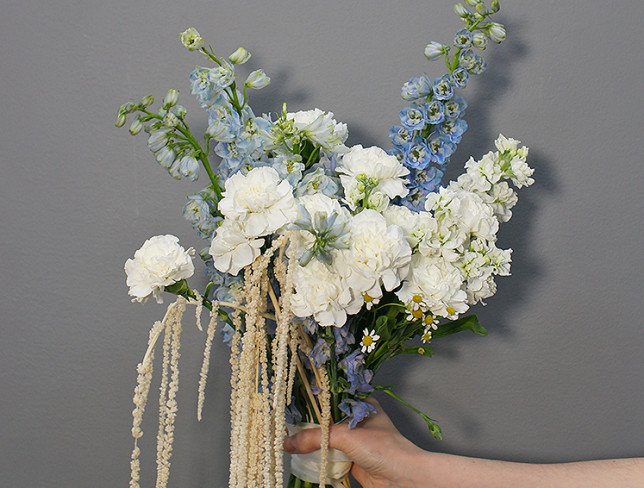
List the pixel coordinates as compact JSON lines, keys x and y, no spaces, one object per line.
{"x":517,"y":234}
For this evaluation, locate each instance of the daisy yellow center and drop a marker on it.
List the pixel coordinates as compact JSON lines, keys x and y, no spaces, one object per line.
{"x":417,"y":314}
{"x":429,"y":319}
{"x":367,"y":340}
{"x":367,"y":298}
{"x":417,"y":298}
{"x":451,"y":311}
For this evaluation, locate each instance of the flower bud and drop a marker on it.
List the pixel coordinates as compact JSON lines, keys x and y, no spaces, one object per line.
{"x":147,"y":101}
{"x":166,"y":157}
{"x":434,"y":50}
{"x":495,"y":6}
{"x":170,"y":120}
{"x":257,"y":79}
{"x":189,"y":168}
{"x":496,"y":32}
{"x":479,"y":40}
{"x":180,"y":111}
{"x":191,"y":39}
{"x":171,"y":98}
{"x":136,"y":127}
{"x":480,"y":8}
{"x":461,"y":11}
{"x":240,"y":56}
{"x":120,"y":120}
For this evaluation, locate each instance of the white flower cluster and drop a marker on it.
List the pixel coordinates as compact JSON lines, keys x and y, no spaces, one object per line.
{"x":255,"y":205}
{"x":321,"y":128}
{"x":455,"y":256}
{"x":160,"y":262}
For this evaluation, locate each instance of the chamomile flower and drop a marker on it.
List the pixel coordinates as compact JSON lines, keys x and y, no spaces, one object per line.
{"x":369,"y":340}
{"x":427,"y":335}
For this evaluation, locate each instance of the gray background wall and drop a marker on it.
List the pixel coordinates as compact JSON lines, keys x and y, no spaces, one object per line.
{"x":558,"y":379}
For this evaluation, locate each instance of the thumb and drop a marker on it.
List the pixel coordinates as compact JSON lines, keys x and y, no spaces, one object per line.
{"x":303,"y":442}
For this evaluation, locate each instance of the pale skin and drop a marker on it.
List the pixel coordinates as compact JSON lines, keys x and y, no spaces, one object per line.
{"x":383,"y":458}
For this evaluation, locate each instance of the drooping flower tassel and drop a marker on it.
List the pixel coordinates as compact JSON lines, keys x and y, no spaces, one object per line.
{"x":203,"y":375}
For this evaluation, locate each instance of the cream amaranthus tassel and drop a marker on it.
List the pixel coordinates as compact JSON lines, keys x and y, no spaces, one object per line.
{"x":203,"y":375}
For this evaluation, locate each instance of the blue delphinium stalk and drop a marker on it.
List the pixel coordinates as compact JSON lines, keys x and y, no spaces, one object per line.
{"x":432,"y":126}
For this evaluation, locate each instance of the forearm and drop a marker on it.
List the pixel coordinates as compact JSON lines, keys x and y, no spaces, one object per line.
{"x":448,"y":471}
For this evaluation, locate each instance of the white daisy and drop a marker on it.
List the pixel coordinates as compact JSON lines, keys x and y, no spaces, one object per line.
{"x":369,"y":340}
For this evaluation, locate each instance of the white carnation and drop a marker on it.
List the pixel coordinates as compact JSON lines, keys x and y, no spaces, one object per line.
{"x":260,"y":200}
{"x":321,"y":292}
{"x":232,"y":249}
{"x":160,"y":262}
{"x":438,"y":283}
{"x":371,"y":163}
{"x":378,"y":255}
{"x":321,"y":128}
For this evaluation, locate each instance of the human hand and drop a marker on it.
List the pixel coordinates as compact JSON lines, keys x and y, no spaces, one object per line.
{"x":382,"y":457}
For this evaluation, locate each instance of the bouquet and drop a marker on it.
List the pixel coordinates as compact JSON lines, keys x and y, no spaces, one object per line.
{"x":323,"y":260}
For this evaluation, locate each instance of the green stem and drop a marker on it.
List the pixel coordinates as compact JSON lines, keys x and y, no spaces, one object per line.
{"x":434,"y":428}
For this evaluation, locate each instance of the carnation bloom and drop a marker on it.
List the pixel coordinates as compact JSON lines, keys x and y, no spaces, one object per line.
{"x":378,"y":255}
{"x":232,"y":249}
{"x":373,"y":164}
{"x":260,"y":200}
{"x":160,"y":262}
{"x":321,"y":292}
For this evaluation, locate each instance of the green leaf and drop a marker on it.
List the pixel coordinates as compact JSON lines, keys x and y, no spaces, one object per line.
{"x":471,"y":322}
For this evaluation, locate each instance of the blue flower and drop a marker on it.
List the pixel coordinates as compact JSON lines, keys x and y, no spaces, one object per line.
{"x":453,"y":129}
{"x":439,"y":148}
{"x":317,"y":181}
{"x":428,"y":179}
{"x":199,"y":212}
{"x":224,"y":75}
{"x":415,"y":199}
{"x":417,"y":156}
{"x":443,"y":88}
{"x":203,"y":85}
{"x":400,"y":136}
{"x":467,"y":59}
{"x":435,"y":112}
{"x":358,"y":377}
{"x":228,"y":332}
{"x":356,"y":411}
{"x":460,"y":76}
{"x":416,"y":88}
{"x":189,"y":167}
{"x":463,"y":39}
{"x":344,"y":339}
{"x":320,"y":353}
{"x":479,"y":65}
{"x":412,"y":118}
{"x":292,"y":414}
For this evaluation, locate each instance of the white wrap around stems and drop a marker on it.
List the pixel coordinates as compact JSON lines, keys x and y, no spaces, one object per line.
{"x":307,"y":466}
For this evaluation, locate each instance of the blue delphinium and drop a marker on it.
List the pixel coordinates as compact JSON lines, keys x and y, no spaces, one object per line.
{"x":432,"y":126}
{"x":358,"y":377}
{"x":356,"y":411}
{"x":320,"y":353}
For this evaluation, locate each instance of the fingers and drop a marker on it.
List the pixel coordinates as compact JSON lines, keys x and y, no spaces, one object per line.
{"x":308,"y":440}
{"x":303,"y":442}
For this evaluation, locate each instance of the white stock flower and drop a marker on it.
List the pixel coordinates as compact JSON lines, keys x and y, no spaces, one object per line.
{"x":321,"y":292}
{"x":415,"y":225}
{"x":378,"y":255}
{"x":375,"y":165}
{"x":160,"y":262}
{"x":260,"y":200}
{"x":232,"y":249}
{"x":472,"y":214}
{"x":321,"y":128}
{"x":438,"y":283}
